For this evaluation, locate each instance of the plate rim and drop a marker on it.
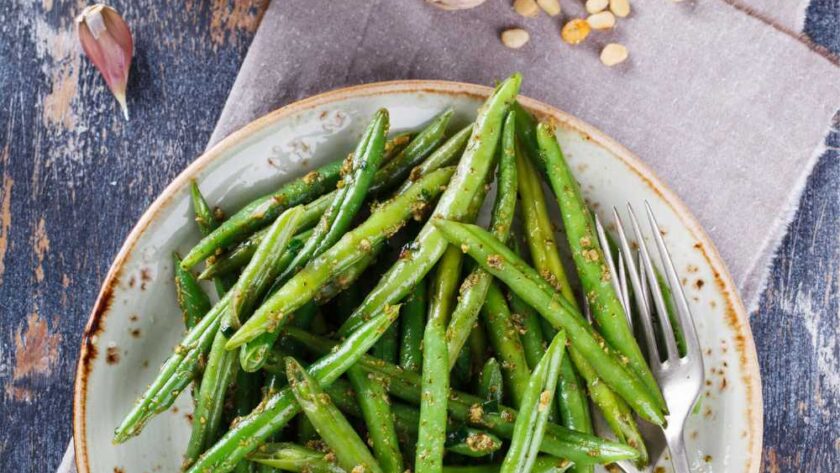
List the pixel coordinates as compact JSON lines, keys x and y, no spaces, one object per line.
{"x":737,"y":317}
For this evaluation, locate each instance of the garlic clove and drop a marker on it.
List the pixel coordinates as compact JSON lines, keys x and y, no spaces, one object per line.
{"x":106,"y":40}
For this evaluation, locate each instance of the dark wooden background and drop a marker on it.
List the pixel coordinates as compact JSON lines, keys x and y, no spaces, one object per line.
{"x":76,"y":176}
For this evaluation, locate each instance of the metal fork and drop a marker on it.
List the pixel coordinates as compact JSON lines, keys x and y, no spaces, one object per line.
{"x":680,"y":375}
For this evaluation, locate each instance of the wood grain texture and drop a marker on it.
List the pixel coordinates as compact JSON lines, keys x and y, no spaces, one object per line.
{"x":75,"y":178}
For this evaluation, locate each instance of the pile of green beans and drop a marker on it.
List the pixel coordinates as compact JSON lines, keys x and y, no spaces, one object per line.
{"x":365,"y":323}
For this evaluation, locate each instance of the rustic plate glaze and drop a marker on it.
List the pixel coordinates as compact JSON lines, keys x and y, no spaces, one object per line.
{"x":136,"y":323}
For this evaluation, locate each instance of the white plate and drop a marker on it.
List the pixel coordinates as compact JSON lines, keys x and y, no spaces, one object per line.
{"x":136,"y":322}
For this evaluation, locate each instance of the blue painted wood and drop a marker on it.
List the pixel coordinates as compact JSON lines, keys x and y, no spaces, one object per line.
{"x":75,"y":178}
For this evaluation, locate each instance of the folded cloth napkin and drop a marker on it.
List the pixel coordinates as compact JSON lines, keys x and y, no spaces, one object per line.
{"x":729,"y":109}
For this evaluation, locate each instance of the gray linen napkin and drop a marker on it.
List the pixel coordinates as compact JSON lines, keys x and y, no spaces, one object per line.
{"x":729,"y":110}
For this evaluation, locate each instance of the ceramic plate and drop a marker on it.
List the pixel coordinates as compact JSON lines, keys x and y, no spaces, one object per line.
{"x":136,"y":322}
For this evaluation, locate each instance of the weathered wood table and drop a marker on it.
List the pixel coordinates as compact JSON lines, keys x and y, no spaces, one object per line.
{"x":76,"y":176}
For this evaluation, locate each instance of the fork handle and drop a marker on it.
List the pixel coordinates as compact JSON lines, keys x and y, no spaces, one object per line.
{"x":679,"y":458}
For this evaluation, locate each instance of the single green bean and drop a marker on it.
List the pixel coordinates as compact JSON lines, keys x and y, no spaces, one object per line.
{"x":476,"y":284}
{"x":491,"y":386}
{"x":246,"y":397}
{"x":431,"y":437}
{"x":504,"y":337}
{"x":559,"y":441}
{"x":192,"y":299}
{"x":500,"y":261}
{"x":352,"y":247}
{"x":350,"y":450}
{"x":372,"y":397}
{"x":295,"y":458}
{"x":412,"y":323}
{"x":388,"y":347}
{"x":468,"y":181}
{"x":589,"y":260}
{"x":207,"y":220}
{"x":446,"y":155}
{"x":276,"y":411}
{"x":397,"y":169}
{"x":530,"y":426}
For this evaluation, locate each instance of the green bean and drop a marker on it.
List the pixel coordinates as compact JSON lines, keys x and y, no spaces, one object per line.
{"x":543,"y":464}
{"x":589,"y":261}
{"x":559,"y":441}
{"x":530,"y":426}
{"x":352,"y":247}
{"x":273,"y":383}
{"x":478,"y":346}
{"x":192,"y":299}
{"x":468,"y":181}
{"x":293,"y":457}
{"x":526,"y":131}
{"x":246,"y":398}
{"x":504,"y":337}
{"x":258,"y":275}
{"x":500,"y":261}
{"x":220,"y":371}
{"x":472,"y":442}
{"x":388,"y":348}
{"x":397,"y":169}
{"x":372,"y":397}
{"x":207,"y":221}
{"x":539,"y":233}
{"x":253,"y":357}
{"x":475,"y":286}
{"x":491,"y":386}
{"x":264,"y":210}
{"x":530,"y":330}
{"x":412,"y":322}
{"x":461,"y":373}
{"x":430,"y":437}
{"x":276,"y":411}
{"x":350,"y":450}
{"x":443,"y":156}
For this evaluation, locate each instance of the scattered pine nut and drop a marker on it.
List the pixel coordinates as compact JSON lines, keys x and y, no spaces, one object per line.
{"x":601,"y":21}
{"x":575,"y":31}
{"x":552,"y":7}
{"x":515,"y":38}
{"x":527,"y":8}
{"x":621,"y":8}
{"x":613,"y":54}
{"x":595,"y":6}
